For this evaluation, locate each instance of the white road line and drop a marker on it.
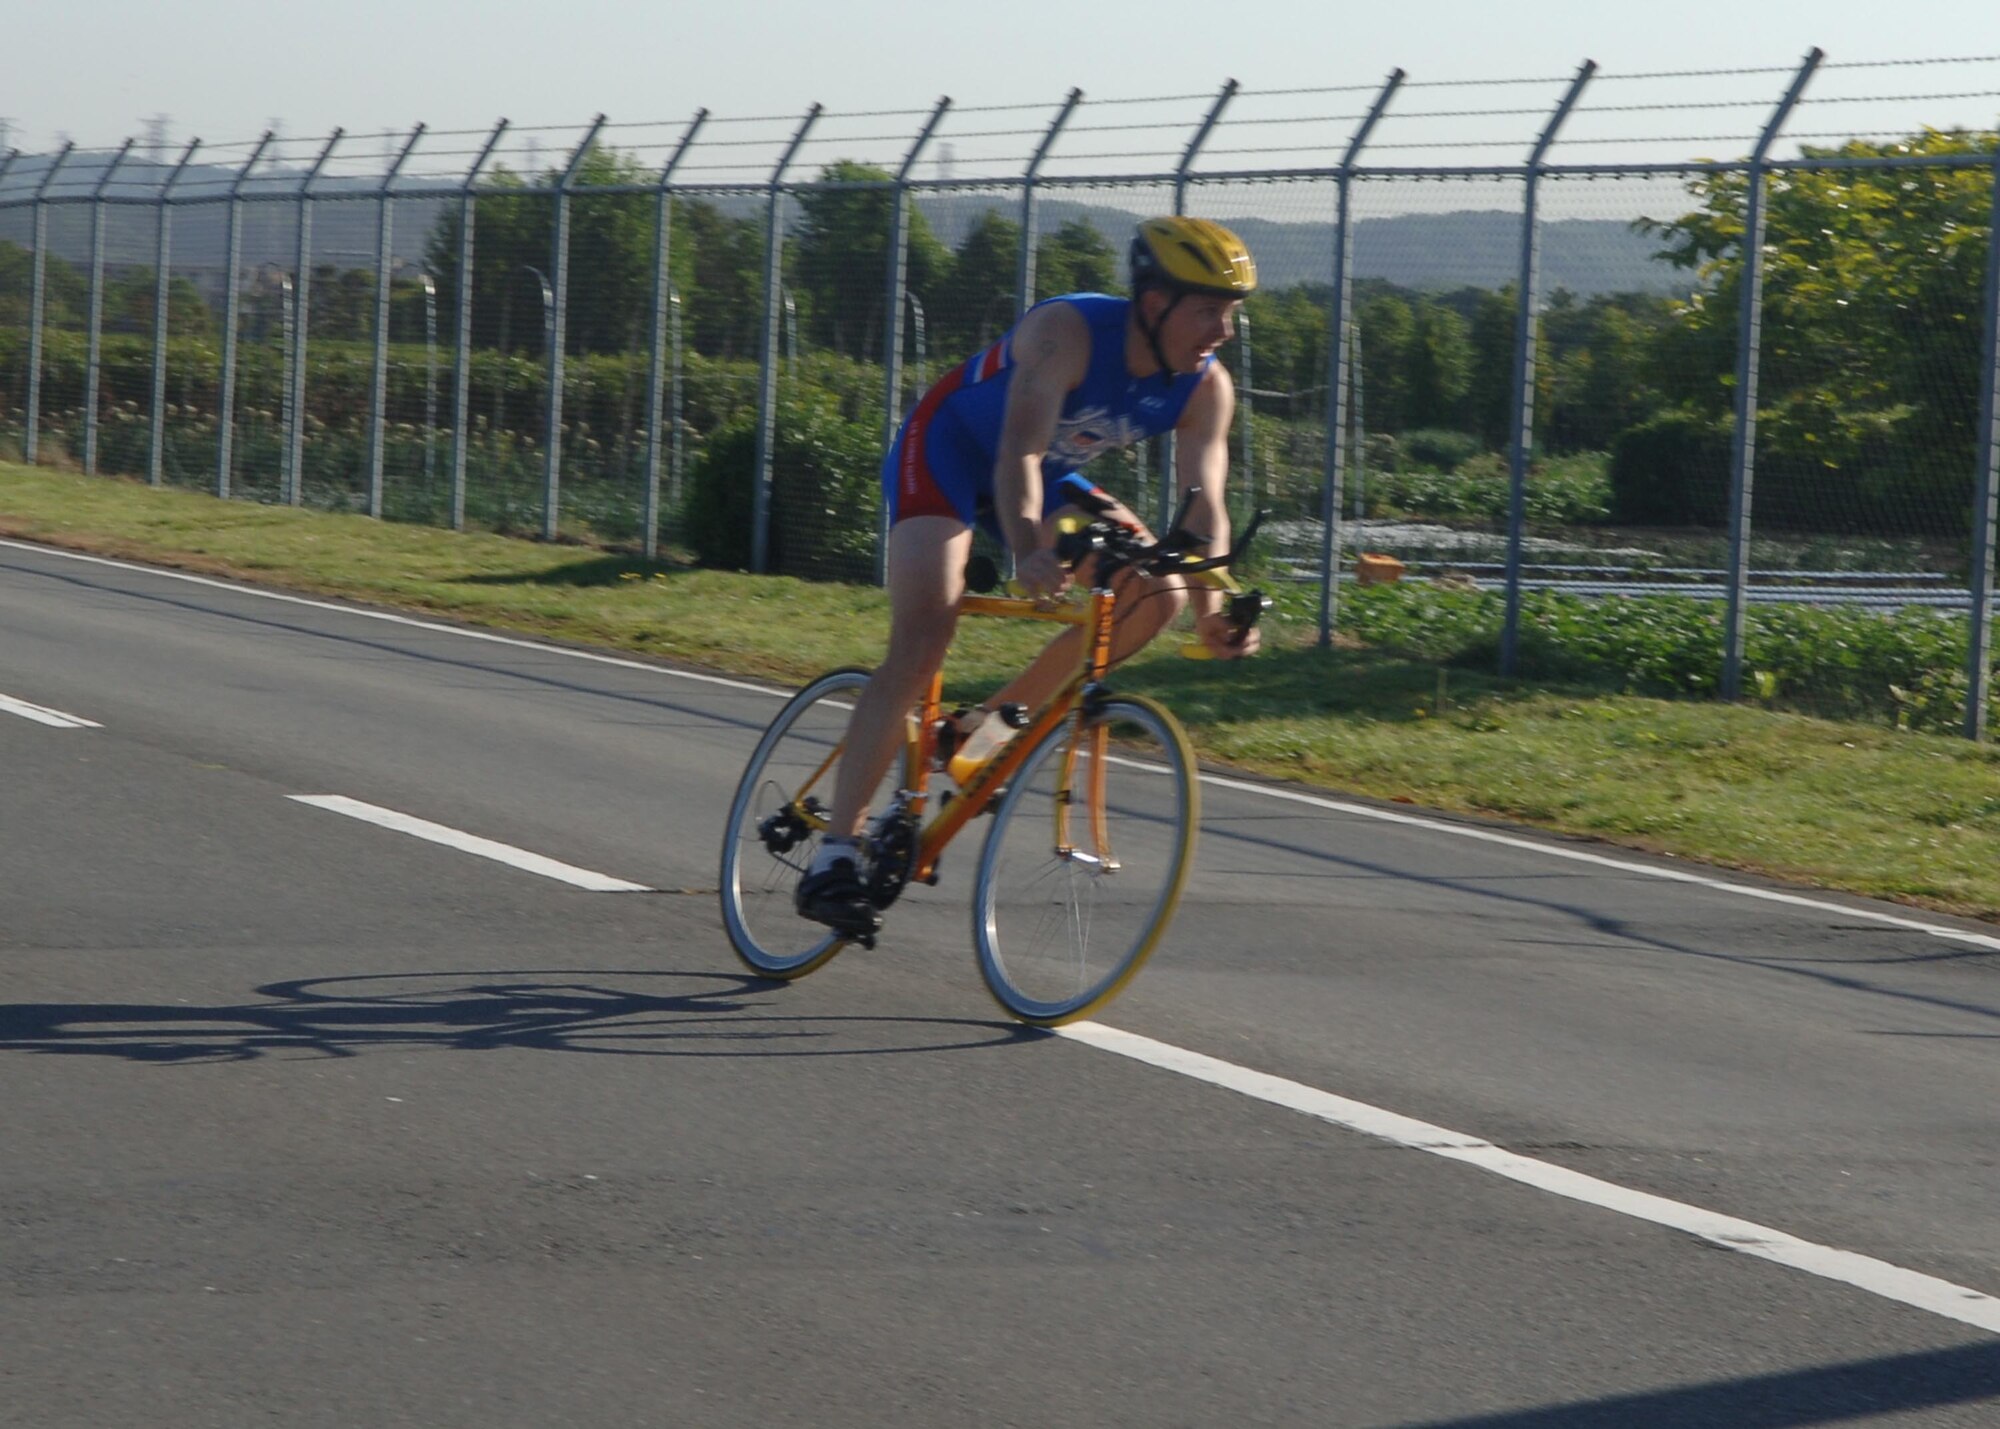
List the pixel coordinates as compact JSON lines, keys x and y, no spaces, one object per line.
{"x":1877,"y":1277}
{"x":42,"y":714}
{"x":1436,"y":826}
{"x":394,"y":619}
{"x":469,"y":843}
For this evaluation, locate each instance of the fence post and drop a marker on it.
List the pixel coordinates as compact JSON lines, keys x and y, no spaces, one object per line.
{"x":1749,"y":332}
{"x":558,"y":323}
{"x":1340,"y":324}
{"x":378,"y":384}
{"x":225,"y":416}
{"x":662,"y":300}
{"x":92,"y":362}
{"x":674,"y":468}
{"x":767,"y":364}
{"x":1166,"y":508}
{"x":162,"y":249}
{"x":1024,"y":288}
{"x":293,"y":481}
{"x":1986,"y":506}
{"x":37,"y":303}
{"x":1358,"y":458}
{"x":892,"y":324}
{"x":461,"y":368}
{"x":1521,"y":419}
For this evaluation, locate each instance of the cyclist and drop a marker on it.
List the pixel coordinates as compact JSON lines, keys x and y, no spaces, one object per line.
{"x":997,"y":443}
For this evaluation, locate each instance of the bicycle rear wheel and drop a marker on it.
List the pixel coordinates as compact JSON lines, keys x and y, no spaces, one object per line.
{"x":1084,"y":866}
{"x":775,"y":822}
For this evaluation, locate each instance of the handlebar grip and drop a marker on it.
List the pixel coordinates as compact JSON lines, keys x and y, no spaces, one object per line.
{"x":1074,"y":546}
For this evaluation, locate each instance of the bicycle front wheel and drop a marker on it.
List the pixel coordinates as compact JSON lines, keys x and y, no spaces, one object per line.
{"x":775,"y":822}
{"x":1090,"y":846}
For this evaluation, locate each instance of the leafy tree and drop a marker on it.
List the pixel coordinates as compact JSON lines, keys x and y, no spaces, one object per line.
{"x":341,"y":303}
{"x":611,"y":246}
{"x":1871,"y":330}
{"x":841,"y":257}
{"x":1490,"y":387}
{"x":723,"y":259}
{"x":1440,"y":366}
{"x":65,"y":293}
{"x":510,"y":232}
{"x":1599,"y":356}
{"x":1287,"y":336}
{"x":1384,"y":331}
{"x":976,"y":302}
{"x":1076,"y":258}
{"x":128,"y":305}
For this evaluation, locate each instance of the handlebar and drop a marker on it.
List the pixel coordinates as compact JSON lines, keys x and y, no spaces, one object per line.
{"x":1118,"y":547}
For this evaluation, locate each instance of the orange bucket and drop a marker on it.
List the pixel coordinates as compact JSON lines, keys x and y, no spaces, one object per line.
{"x":1372,"y":569}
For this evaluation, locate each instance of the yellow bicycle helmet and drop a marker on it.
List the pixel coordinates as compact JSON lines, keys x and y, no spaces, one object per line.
{"x":1191,"y":255}
{"x":1180,"y":256}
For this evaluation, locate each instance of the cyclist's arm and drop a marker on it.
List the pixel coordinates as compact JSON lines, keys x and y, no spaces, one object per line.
{"x":1201,"y":459}
{"x":1051,"y":356}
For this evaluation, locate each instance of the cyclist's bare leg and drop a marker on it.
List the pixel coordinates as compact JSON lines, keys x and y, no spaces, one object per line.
{"x":927,"y":556}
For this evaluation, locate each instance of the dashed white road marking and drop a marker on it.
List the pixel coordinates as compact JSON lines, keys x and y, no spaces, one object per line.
{"x":42,"y":714}
{"x":1877,"y":1277}
{"x":469,"y":843}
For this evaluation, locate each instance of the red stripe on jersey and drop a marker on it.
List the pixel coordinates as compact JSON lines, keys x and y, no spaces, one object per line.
{"x":917,"y":492}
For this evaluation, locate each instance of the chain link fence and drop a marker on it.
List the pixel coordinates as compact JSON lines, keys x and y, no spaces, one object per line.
{"x":1511,"y":345}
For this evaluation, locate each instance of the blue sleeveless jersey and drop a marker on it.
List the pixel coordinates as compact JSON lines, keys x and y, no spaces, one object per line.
{"x":942,"y":460}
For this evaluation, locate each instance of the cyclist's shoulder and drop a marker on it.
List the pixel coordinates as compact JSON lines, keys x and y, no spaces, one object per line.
{"x":1074,"y":317}
{"x":1055,"y":337}
{"x":1087,"y":313}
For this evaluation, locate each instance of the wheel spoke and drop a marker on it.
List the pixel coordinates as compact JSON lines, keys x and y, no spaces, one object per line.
{"x":1056,"y":937}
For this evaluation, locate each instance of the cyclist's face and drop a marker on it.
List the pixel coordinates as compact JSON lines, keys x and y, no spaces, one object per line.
{"x":1198,"y":325}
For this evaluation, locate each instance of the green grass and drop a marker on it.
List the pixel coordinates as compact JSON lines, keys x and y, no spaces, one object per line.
{"x":1860,"y":807}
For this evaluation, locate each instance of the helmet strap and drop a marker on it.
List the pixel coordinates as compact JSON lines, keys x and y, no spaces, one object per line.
{"x":1152,"y":333}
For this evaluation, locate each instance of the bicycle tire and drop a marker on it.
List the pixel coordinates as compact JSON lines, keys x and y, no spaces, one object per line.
{"x":1062,"y":928}
{"x":757,"y":880}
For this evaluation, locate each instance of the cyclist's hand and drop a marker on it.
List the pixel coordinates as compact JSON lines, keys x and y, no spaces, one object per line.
{"x":1224,"y":638}
{"x":1041,"y":575}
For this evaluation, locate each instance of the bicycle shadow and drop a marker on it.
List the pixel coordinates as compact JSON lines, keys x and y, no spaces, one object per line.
{"x":599,"y":1012}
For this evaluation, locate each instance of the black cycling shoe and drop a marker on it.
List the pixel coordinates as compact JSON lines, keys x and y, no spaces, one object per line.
{"x":837,"y":897}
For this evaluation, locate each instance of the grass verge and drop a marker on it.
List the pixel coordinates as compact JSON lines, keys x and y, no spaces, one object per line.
{"x":1857,"y":807}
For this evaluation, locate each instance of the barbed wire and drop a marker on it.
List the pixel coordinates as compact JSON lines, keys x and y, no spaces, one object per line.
{"x":1892,"y":64}
{"x":288,"y":143}
{"x":1895,"y":98}
{"x":1604,"y":77}
{"x":1328,"y":89}
{"x":1481,"y":83}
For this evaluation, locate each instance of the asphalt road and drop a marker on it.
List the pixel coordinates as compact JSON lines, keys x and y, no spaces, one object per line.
{"x":309,"y":1121}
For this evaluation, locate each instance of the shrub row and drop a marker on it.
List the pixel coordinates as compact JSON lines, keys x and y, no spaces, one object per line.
{"x":1906,"y":666}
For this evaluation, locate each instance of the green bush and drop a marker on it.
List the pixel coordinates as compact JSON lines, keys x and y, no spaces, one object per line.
{"x":1437,"y":449}
{"x":1671,"y":470}
{"x":1562,"y":491}
{"x":1904,"y":667}
{"x":825,"y":493}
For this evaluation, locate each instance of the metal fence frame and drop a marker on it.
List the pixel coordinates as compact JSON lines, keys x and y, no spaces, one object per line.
{"x":1032,"y":182}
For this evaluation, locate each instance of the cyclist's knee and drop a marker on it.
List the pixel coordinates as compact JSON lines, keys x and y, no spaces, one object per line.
{"x":1153,"y":605}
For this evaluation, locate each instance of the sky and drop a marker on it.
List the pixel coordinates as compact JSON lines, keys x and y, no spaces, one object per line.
{"x":225,"y":70}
